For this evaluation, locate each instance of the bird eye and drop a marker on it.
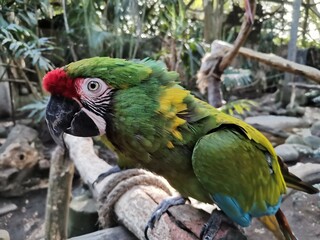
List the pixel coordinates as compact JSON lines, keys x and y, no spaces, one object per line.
{"x":93,"y":86}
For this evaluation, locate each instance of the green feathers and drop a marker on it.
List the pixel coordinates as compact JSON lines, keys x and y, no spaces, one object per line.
{"x":119,"y":73}
{"x":154,"y":123}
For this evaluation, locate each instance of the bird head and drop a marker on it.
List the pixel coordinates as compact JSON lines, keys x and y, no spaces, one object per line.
{"x":82,"y":94}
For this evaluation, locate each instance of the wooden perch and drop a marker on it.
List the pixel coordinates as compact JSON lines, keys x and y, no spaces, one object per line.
{"x":134,"y":207}
{"x":276,"y":62}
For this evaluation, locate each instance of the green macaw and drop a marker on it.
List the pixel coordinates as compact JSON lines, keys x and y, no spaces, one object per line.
{"x":152,"y":122}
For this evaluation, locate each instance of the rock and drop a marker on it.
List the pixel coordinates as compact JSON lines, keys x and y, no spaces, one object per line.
{"x":83,"y":216}
{"x":316,"y":155}
{"x":7,"y":208}
{"x":20,"y":133}
{"x":303,"y":150}
{"x":293,"y":152}
{"x":4,"y":235}
{"x":18,"y":158}
{"x":294,"y":138}
{"x":312,"y":141}
{"x":315,"y":129}
{"x":19,"y":155}
{"x":287,"y":152}
{"x":296,"y":111}
{"x":118,"y":232}
{"x":309,"y":172}
{"x":312,"y":114}
{"x":44,"y":164}
{"x":277,"y":122}
{"x":3,"y":132}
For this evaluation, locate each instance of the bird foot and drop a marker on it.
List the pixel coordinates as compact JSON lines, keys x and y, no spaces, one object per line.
{"x":161,"y":209}
{"x":114,"y":169}
{"x":213,"y":226}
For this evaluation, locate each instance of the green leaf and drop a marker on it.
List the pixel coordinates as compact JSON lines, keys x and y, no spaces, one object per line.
{"x":36,"y":109}
{"x":238,"y":106}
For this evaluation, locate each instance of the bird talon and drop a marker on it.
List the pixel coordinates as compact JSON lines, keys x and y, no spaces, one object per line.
{"x":211,"y":228}
{"x":161,"y":209}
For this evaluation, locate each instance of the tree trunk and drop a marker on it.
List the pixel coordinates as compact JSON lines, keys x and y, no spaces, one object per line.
{"x":213,"y":16}
{"x":208,"y":21}
{"x":292,"y":52}
{"x":305,"y":24}
{"x":5,"y":109}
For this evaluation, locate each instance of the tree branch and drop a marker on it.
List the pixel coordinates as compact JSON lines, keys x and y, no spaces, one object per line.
{"x":241,"y":38}
{"x":276,"y":62}
{"x":58,"y":197}
{"x":219,"y":59}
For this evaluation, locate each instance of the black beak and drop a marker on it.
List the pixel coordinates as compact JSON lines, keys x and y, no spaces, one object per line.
{"x":59,"y":115}
{"x":64,"y":115}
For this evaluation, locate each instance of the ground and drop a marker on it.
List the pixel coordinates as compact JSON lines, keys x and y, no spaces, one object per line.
{"x":302,"y":211}
{"x":26,"y":221}
{"x":27,"y":218}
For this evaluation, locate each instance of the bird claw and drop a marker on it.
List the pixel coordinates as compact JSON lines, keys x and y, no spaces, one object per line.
{"x":212,"y":227}
{"x":161,"y":209}
{"x":114,"y":169}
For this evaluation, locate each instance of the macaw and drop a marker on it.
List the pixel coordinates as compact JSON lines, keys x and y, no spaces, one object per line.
{"x":152,"y":122}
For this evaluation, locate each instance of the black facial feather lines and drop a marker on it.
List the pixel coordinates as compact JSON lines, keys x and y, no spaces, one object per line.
{"x":98,"y":104}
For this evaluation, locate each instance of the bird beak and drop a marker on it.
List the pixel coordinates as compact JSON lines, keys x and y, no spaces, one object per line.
{"x":59,"y":115}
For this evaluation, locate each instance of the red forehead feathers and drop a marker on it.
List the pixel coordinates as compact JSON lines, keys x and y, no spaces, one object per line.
{"x":57,"y":82}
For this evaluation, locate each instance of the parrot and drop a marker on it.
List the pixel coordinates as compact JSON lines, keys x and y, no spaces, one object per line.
{"x":141,"y":111}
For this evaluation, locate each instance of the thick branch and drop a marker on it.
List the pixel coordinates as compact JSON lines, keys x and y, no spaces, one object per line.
{"x":276,"y":62}
{"x":241,"y":38}
{"x":135,"y":206}
{"x":218,"y":60}
{"x":58,"y":197}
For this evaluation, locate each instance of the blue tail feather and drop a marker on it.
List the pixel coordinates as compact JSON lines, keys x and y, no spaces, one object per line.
{"x":232,"y":209}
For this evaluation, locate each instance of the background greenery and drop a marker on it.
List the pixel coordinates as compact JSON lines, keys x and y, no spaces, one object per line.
{"x":38,"y":35}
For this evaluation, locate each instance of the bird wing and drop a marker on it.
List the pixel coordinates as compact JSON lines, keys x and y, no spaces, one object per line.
{"x":238,"y":173}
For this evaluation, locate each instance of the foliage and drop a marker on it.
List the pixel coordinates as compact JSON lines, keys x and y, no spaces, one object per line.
{"x":233,"y":78}
{"x":313,"y":97}
{"x":18,"y":32}
{"x":36,"y":109}
{"x":170,"y":30}
{"x":13,"y":39}
{"x":116,"y":28}
{"x":238,"y":107}
{"x":137,"y":29}
{"x":183,"y":45}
